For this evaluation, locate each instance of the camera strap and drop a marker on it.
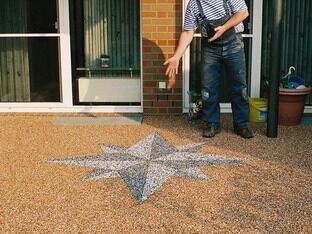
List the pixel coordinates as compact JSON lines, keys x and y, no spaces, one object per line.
{"x":200,"y":8}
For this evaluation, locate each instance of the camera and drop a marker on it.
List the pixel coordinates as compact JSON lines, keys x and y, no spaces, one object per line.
{"x":209,"y":28}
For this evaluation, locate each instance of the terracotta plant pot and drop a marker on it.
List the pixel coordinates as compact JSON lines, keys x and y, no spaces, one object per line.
{"x":291,"y":105}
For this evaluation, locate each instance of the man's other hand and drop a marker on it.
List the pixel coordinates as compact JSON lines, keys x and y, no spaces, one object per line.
{"x":219,"y":32}
{"x":173,"y":67}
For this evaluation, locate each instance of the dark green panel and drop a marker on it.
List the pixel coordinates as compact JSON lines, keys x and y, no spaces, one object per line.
{"x":296,"y":40}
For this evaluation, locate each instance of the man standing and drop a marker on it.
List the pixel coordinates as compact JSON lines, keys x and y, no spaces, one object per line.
{"x":222,"y":44}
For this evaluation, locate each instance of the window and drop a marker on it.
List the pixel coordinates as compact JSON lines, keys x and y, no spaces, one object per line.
{"x":29,"y":62}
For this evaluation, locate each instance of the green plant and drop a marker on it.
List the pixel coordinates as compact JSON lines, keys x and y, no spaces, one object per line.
{"x":104,"y":56}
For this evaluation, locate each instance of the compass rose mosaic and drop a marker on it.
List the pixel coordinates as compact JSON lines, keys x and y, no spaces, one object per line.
{"x":148,"y":164}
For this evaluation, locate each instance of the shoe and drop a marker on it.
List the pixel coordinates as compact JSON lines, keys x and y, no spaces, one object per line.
{"x":211,"y":131}
{"x":244,"y":133}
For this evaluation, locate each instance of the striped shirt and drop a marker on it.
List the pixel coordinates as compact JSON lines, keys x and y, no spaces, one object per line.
{"x":213,"y":9}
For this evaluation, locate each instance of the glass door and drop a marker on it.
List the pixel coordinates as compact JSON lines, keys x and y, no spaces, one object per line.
{"x":106,"y":52}
{"x":34,"y":55}
{"x":252,"y":41}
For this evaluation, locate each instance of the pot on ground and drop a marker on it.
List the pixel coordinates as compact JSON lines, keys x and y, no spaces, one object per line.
{"x":291,"y":105}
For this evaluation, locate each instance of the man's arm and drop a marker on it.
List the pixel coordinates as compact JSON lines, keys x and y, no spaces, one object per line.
{"x":237,"y":18}
{"x":173,"y":62}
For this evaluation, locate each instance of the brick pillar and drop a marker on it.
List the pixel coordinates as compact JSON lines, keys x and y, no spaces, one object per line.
{"x":161,"y":28}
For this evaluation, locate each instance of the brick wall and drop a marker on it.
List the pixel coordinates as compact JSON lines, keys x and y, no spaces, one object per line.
{"x":161,"y":27}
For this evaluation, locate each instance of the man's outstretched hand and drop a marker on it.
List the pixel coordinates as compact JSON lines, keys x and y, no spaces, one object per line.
{"x":173,"y":62}
{"x":172,"y":70}
{"x":173,"y":66}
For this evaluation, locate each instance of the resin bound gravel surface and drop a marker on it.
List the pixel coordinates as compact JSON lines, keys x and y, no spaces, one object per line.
{"x":162,"y":179}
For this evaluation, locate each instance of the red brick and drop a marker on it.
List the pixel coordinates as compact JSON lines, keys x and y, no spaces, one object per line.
{"x":148,"y":14}
{"x":149,"y":84}
{"x":161,"y":104}
{"x":175,"y":110}
{"x":148,"y":90}
{"x":148,"y":1}
{"x":149,"y":97}
{"x":147,"y":49}
{"x":162,"y":42}
{"x":163,"y":110}
{"x":175,"y":97}
{"x":173,"y":42}
{"x":177,"y":103}
{"x":162,"y":29}
{"x":147,"y":63}
{"x":147,"y":103}
{"x":174,"y":28}
{"x":162,"y":97}
{"x":150,"y":29}
{"x":161,"y":14}
{"x":150,"y":110}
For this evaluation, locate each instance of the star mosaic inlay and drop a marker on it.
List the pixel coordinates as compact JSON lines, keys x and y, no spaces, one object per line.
{"x":145,"y":166}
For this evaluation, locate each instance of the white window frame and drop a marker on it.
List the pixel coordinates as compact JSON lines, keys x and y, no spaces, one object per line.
{"x":66,"y":104}
{"x":256,"y":38}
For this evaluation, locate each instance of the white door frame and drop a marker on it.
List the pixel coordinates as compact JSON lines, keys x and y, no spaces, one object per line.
{"x":66,"y":105}
{"x":256,"y":38}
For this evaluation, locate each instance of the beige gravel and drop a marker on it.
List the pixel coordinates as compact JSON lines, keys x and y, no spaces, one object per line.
{"x":271,"y":194}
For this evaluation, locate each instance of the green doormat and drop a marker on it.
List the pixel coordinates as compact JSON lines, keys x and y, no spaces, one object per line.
{"x":108,"y":120}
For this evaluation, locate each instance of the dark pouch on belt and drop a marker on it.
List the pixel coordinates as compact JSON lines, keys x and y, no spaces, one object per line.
{"x":208,"y":27}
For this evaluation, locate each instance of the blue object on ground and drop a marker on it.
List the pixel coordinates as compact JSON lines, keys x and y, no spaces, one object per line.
{"x":292,"y":85}
{"x":296,"y":79}
{"x":306,"y":120}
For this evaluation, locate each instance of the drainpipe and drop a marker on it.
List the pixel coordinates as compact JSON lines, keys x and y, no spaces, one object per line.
{"x":275,"y":58}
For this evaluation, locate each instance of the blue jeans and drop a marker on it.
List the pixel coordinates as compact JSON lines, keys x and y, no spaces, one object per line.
{"x":230,"y":53}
